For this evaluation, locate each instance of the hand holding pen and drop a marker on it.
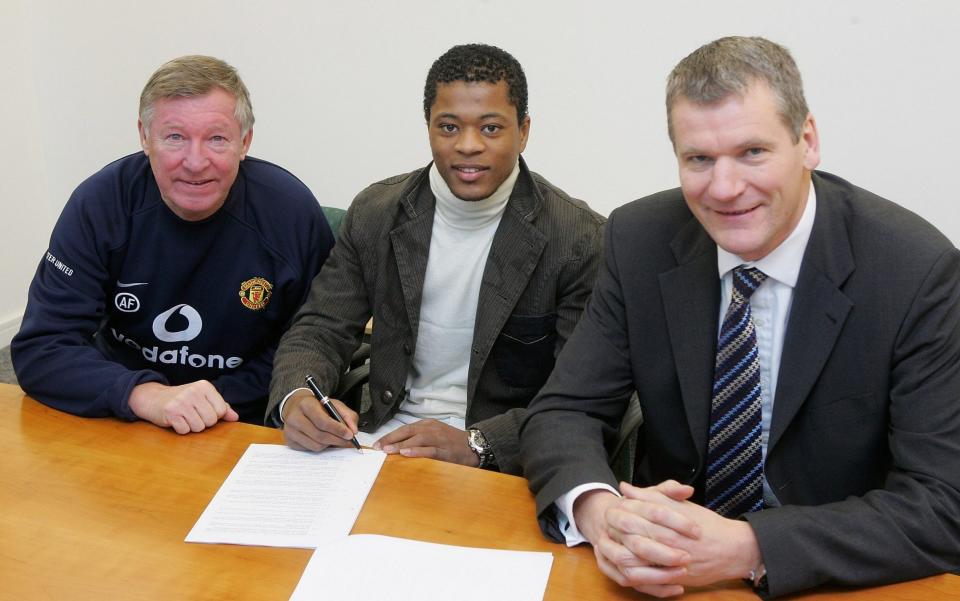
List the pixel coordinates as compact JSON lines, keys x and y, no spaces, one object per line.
{"x":329,"y":407}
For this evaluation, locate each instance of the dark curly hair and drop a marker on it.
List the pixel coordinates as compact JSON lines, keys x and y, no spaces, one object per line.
{"x":477,"y":62}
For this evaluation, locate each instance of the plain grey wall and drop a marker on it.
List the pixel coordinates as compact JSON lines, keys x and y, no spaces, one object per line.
{"x":337,"y":91}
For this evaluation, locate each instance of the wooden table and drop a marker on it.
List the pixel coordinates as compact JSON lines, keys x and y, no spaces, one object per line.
{"x":98,"y":509}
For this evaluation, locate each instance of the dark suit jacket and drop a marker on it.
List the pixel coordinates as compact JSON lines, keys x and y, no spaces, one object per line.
{"x":864,"y":449}
{"x":537,"y":279}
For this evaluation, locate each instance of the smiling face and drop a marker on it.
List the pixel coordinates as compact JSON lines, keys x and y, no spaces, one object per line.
{"x":475,"y":137}
{"x":742,"y":174}
{"x":195,"y":147}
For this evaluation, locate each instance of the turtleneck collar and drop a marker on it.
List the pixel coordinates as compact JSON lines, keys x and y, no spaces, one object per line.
{"x":472,"y":214}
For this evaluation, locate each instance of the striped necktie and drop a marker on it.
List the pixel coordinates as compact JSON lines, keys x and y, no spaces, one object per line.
{"x":734,"y":460}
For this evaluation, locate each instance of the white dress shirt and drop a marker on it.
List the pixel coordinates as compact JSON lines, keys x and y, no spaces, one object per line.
{"x":770,"y":307}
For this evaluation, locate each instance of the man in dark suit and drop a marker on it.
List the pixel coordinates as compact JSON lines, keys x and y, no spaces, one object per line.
{"x":795,"y":345}
{"x":474,"y":269}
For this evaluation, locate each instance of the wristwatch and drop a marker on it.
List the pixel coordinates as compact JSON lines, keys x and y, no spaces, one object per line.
{"x":478,"y":443}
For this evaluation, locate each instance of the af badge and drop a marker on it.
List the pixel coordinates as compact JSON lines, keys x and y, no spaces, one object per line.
{"x":255,"y":293}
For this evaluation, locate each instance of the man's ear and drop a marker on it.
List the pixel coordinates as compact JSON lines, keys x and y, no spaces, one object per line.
{"x":811,"y":140}
{"x":524,"y":132}
{"x":246,"y":143}
{"x":143,"y":137}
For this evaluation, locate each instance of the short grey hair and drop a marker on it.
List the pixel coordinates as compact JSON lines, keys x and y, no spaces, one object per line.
{"x":196,"y":75}
{"x":730,"y":65}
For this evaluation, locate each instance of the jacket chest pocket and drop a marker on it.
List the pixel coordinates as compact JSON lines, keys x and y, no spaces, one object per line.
{"x":523,"y":354}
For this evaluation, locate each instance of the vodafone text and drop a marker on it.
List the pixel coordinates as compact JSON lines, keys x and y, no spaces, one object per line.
{"x":181,"y":356}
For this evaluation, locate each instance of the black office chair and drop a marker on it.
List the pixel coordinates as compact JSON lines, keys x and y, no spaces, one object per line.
{"x":350,"y":388}
{"x":625,"y":450}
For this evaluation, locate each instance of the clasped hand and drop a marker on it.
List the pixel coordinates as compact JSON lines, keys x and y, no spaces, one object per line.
{"x":656,"y":541}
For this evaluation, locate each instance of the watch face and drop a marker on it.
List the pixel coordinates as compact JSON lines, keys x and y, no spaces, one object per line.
{"x":477,"y":439}
{"x":478,"y":443}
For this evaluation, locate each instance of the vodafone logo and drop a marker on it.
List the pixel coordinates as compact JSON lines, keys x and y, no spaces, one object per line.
{"x":194,"y":324}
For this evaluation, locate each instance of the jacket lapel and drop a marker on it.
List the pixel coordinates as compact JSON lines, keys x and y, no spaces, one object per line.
{"x":691,"y":297}
{"x":514,"y":254}
{"x":818,"y":311}
{"x":411,"y":244}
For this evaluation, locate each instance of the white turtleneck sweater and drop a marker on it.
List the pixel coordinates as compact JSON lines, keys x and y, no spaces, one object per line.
{"x":461,"y":239}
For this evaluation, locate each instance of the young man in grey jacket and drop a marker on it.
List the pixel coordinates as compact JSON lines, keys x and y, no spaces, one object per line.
{"x":475,"y":271}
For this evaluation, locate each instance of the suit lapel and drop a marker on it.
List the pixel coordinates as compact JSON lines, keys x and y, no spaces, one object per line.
{"x":691,"y":297}
{"x":817,"y":313}
{"x":411,"y":245}
{"x":514,"y":254}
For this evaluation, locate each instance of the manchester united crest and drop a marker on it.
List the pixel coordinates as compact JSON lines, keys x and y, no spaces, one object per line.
{"x":255,"y":293}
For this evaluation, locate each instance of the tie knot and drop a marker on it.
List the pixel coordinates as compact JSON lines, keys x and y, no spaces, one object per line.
{"x":746,"y":281}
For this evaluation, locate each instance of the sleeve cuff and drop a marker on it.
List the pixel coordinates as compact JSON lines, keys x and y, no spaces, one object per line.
{"x":121,"y":408}
{"x":564,"y":503}
{"x":279,"y":416}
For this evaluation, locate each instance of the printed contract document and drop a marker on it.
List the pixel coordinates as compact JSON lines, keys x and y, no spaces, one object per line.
{"x":278,"y":497}
{"x":369,"y":566}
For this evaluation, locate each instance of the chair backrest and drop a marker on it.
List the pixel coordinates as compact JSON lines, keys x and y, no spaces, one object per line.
{"x":334,"y":218}
{"x":622,"y":457}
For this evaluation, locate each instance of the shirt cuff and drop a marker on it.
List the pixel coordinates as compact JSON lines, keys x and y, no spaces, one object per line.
{"x":280,"y":407}
{"x":564,"y":503}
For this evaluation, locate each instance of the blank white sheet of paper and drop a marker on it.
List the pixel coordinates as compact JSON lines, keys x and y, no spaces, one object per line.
{"x":369,"y":566}
{"x":278,"y":497}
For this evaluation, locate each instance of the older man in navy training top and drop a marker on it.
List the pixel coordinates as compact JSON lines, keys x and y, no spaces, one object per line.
{"x":172,"y":272}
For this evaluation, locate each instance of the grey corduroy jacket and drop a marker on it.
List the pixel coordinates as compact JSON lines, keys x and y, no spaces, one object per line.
{"x":538,"y":277}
